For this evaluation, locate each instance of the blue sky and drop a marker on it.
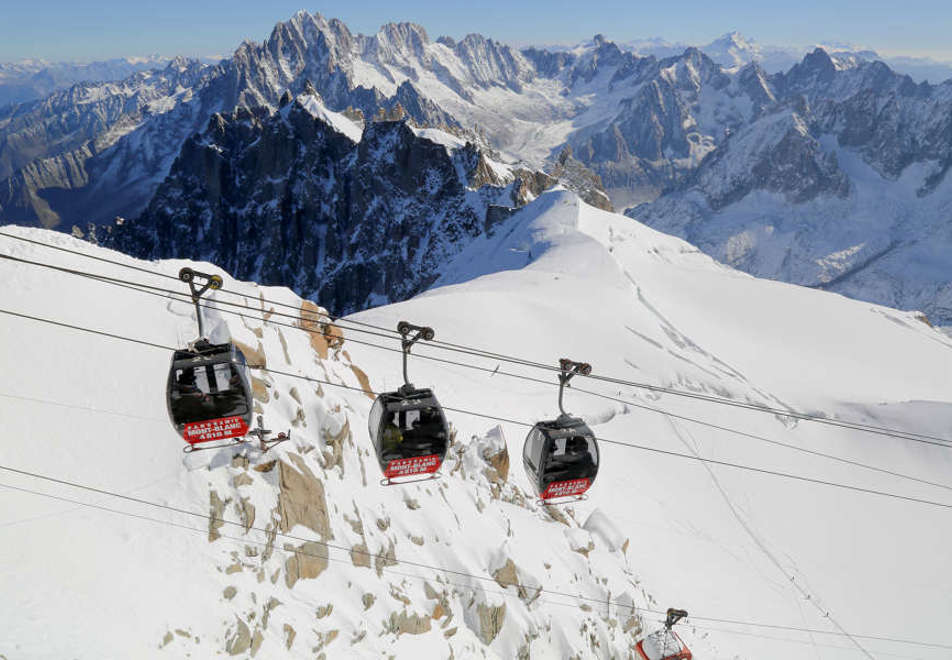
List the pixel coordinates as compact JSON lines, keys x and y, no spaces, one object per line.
{"x":57,"y":30}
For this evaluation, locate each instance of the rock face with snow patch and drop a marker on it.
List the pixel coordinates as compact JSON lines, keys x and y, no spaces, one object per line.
{"x":95,"y":150}
{"x":841,"y":184}
{"x":305,"y":197}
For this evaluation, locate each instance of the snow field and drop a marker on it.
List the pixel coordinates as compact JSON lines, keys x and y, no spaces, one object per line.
{"x":559,"y":279}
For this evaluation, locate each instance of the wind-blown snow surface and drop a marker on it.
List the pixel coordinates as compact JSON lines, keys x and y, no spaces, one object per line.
{"x":558,"y":279}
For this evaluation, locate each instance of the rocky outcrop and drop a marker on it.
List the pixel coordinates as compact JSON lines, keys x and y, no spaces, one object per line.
{"x":491,"y":620}
{"x":305,"y":561}
{"x":301,"y":500}
{"x":576,"y":177}
{"x":410,"y":623}
{"x":287,"y":198}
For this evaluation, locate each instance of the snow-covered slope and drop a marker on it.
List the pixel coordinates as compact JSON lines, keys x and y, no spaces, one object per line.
{"x":567,"y":280}
{"x":165,"y":592}
{"x":557,"y":279}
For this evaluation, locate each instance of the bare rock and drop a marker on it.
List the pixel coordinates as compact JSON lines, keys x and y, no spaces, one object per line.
{"x":335,"y":444}
{"x":289,"y":634}
{"x":413,"y":624}
{"x":268,"y":607}
{"x":246,"y":511}
{"x":360,"y":555}
{"x":216,"y":511}
{"x":491,"y":620}
{"x":308,"y":561}
{"x":240,"y":641}
{"x":256,"y":640}
{"x":302,"y":501}
{"x":386,"y":558}
{"x":242,"y":479}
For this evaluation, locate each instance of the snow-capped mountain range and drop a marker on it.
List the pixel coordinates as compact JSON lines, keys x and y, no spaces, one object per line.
{"x":734,"y":50}
{"x":318,"y":559}
{"x":30,"y":79}
{"x":764,"y":170}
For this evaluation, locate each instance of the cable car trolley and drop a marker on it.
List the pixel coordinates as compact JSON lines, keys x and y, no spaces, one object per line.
{"x":665,"y":644}
{"x":408,"y":428}
{"x":209,"y":386}
{"x":561,"y":455}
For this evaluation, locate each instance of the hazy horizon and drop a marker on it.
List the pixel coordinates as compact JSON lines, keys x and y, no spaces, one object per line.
{"x":64,"y":32}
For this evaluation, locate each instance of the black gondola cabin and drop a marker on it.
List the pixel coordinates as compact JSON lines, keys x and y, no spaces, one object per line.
{"x":561,"y":457}
{"x":410,"y":433}
{"x":209,"y":393}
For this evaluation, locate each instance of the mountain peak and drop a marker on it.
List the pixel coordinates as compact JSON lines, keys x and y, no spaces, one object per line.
{"x":736,"y":38}
{"x":818,"y":54}
{"x":818,"y":60}
{"x":404,"y":32}
{"x":179,"y":62}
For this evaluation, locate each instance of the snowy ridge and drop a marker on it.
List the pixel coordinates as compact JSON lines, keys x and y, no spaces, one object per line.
{"x":562,"y":278}
{"x":338,"y":121}
{"x":558,"y":278}
{"x":249,"y":591}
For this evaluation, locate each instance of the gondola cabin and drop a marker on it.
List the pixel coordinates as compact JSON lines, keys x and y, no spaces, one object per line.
{"x":561,"y":458}
{"x":410,"y":434}
{"x":663,"y":645}
{"x":209,"y":393}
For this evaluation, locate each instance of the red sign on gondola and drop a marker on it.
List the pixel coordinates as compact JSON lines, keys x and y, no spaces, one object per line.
{"x":405,"y":467}
{"x":215,"y":429}
{"x":566,"y":488}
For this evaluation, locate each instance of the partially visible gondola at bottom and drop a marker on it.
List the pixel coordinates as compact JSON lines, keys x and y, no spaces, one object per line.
{"x":665,"y":644}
